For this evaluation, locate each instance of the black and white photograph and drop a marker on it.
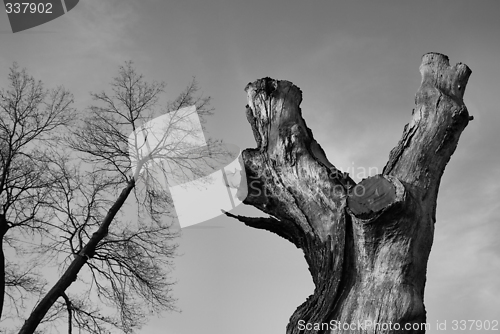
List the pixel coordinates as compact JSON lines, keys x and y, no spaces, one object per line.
{"x":243,"y":167}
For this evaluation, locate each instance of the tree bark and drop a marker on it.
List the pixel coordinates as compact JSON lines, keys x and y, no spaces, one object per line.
{"x":366,"y":245}
{"x":70,"y":275}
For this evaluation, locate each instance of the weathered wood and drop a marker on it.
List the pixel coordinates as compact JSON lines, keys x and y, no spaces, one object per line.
{"x":371,"y":195}
{"x":366,"y":245}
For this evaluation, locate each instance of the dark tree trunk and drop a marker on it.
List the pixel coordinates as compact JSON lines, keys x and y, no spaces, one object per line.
{"x":366,"y":245}
{"x":70,"y":275}
{"x":4,"y":227}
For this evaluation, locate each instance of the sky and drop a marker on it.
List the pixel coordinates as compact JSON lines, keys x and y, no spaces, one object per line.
{"x":357,"y":64}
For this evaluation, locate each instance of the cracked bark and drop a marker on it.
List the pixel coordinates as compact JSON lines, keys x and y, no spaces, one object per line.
{"x":366,"y":245}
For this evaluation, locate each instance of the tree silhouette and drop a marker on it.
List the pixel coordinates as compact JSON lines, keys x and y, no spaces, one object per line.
{"x":113,"y":213}
{"x":29,"y":117}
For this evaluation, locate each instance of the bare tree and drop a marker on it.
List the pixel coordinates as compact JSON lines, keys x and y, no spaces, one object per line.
{"x":29,"y":115}
{"x":123,"y":257}
{"x":366,"y":245}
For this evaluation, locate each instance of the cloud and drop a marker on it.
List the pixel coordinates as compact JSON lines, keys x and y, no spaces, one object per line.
{"x":100,"y":27}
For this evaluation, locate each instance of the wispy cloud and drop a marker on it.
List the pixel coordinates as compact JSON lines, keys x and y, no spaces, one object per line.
{"x":100,"y":26}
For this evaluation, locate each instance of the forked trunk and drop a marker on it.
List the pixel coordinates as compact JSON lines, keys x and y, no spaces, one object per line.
{"x":366,"y":245}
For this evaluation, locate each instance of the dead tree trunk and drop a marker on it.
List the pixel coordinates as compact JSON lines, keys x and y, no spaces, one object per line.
{"x":366,"y":245}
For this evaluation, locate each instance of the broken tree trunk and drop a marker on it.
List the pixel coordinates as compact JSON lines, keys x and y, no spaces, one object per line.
{"x":366,"y":245}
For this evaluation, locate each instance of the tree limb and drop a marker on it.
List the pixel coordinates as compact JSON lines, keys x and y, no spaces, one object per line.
{"x":271,"y":224}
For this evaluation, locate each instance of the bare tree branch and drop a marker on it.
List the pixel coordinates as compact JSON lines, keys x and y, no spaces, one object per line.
{"x":122,"y":263}
{"x":29,"y":115}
